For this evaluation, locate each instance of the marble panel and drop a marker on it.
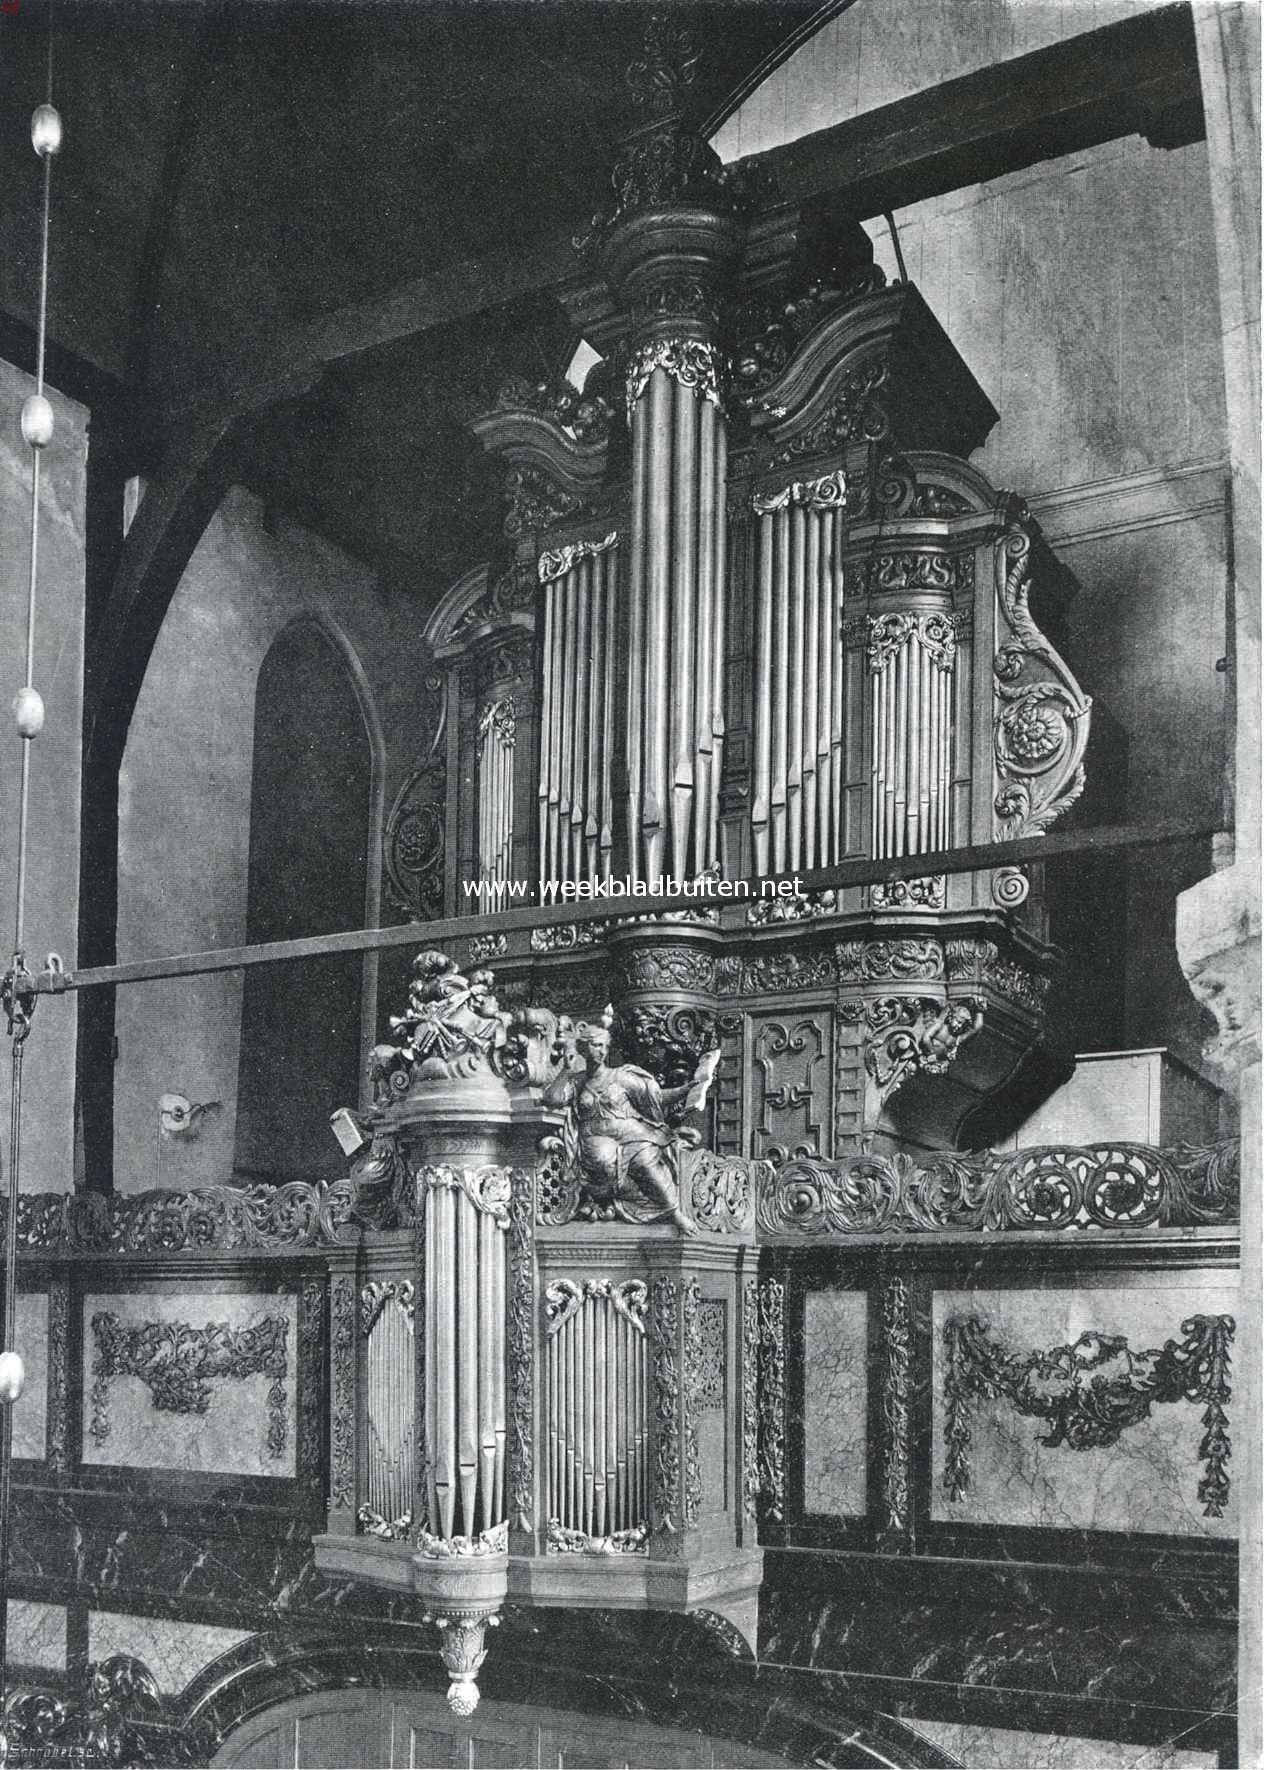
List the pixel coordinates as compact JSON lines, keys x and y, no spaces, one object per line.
{"x":239,"y":1429}
{"x":1147,"y":1481}
{"x":835,"y":1390}
{"x":30,"y":1416}
{"x":35,"y":1635}
{"x":989,"y":1748}
{"x":174,"y":1651}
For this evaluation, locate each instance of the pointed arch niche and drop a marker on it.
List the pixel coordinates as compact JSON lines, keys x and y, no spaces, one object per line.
{"x":315,"y":810}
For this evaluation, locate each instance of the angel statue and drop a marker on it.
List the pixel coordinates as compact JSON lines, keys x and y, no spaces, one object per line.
{"x":628,"y":1128}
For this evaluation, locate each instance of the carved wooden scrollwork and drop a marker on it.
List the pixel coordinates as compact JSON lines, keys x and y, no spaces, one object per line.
{"x":413,"y":836}
{"x":1099,"y":1186}
{"x":1041,"y":716}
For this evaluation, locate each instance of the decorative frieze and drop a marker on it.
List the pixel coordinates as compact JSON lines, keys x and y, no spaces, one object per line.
{"x":1056,"y":1187}
{"x":666,"y":1402}
{"x":908,"y":960}
{"x":927,"y":893}
{"x":1090,"y":1392}
{"x":342,"y":1393}
{"x":751,"y":1413}
{"x":520,"y":1349}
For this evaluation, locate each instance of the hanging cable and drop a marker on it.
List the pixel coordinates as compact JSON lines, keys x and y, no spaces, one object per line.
{"x":17,"y":988}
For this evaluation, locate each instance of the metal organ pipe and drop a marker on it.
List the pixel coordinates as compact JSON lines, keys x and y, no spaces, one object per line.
{"x":595,"y":1389}
{"x":675,"y":725}
{"x":577,"y":708}
{"x":799,"y":723}
{"x":465,"y":1405}
{"x":910,"y":659}
{"x":495,"y":810}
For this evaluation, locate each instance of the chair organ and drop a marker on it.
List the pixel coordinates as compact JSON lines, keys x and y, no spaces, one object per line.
{"x":753,"y":613}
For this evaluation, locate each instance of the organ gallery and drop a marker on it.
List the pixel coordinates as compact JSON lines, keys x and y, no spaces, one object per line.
{"x":634,"y":1073}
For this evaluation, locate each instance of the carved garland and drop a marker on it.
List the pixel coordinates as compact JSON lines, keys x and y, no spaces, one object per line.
{"x":896,"y":1403}
{"x":751,"y":1353}
{"x":342,"y":1393}
{"x":693,"y":1358}
{"x":58,"y":1441}
{"x":311,"y":1369}
{"x":179,"y":1363}
{"x":886,"y":634}
{"x":667,"y":1392}
{"x":1105,"y":1186}
{"x":520,"y":1349}
{"x":772,"y":1383}
{"x":1092,"y":1391}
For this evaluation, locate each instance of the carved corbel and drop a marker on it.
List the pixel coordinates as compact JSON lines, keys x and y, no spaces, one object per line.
{"x":909,"y":1034}
{"x":1041,"y":716}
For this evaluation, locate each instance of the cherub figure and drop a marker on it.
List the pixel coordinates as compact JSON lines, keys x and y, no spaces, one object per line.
{"x":628,"y":1128}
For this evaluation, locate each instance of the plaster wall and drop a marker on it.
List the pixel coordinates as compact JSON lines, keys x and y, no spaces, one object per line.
{"x":184,"y":811}
{"x":52,"y":890}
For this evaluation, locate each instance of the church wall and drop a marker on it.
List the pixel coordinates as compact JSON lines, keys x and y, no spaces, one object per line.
{"x":184,"y":814}
{"x":52,"y":893}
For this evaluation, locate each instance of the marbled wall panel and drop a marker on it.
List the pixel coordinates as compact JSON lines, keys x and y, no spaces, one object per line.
{"x":35,"y":1635}
{"x":174,"y":1651}
{"x":835,"y":1391}
{"x":123,"y":1426}
{"x":30,"y":1416}
{"x":985,"y":1748}
{"x":1146,"y":1481}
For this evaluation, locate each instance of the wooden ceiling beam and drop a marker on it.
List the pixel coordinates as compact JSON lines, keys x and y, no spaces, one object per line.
{"x":1138,"y":76}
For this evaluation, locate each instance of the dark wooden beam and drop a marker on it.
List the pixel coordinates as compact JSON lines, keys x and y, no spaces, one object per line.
{"x":1139,"y":76}
{"x":204,"y":55}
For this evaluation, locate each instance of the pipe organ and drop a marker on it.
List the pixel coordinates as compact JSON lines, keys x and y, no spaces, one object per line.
{"x":752,"y":612}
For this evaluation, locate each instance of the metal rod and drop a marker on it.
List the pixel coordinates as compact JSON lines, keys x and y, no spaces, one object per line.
{"x":1025,"y":851}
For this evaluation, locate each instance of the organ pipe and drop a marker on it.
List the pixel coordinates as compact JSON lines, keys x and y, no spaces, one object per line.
{"x":799,"y":724}
{"x":595,"y":1399}
{"x":675,"y":722}
{"x":495,"y":809}
{"x":910,"y":659}
{"x":465,"y":1221}
{"x":577,"y":739}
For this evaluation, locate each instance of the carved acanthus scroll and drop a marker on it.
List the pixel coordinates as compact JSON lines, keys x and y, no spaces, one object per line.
{"x":1041,"y":716}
